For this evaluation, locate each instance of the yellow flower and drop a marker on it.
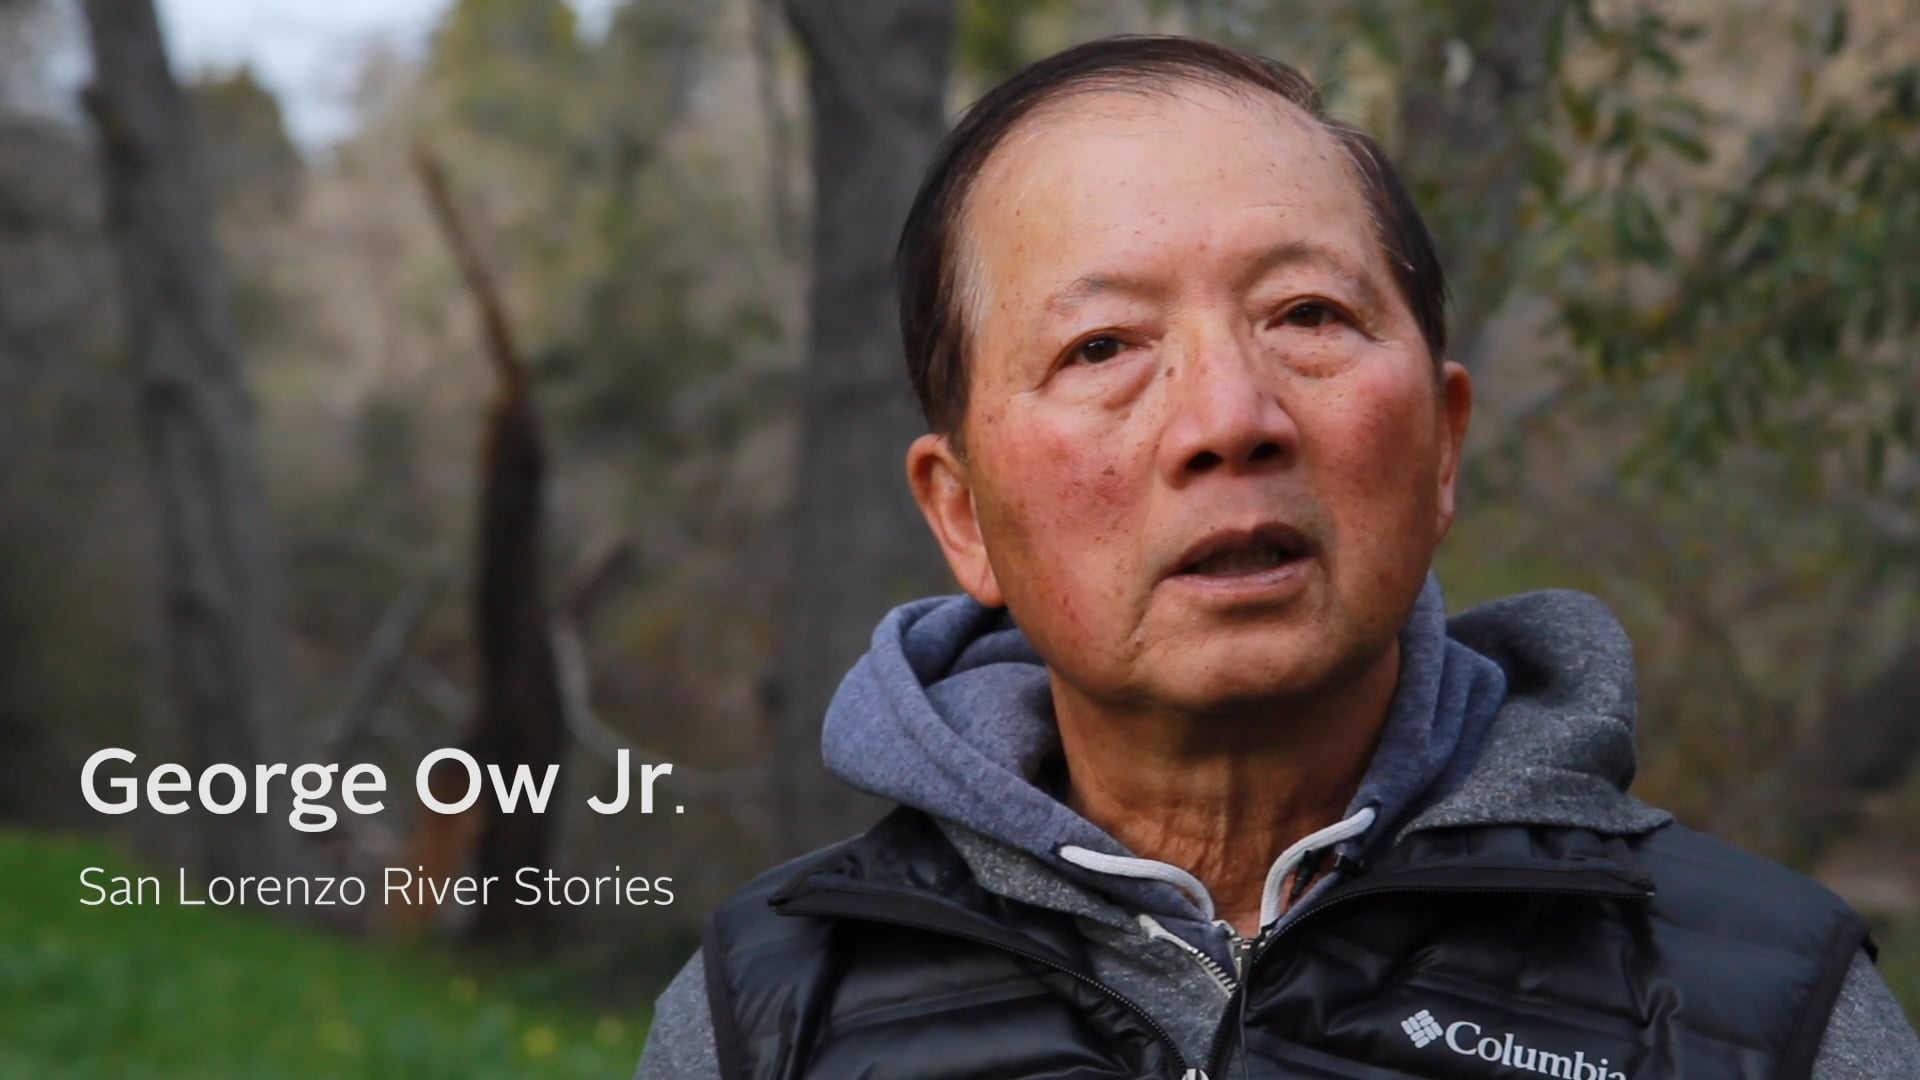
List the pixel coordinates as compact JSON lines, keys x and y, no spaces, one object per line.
{"x":540,"y":1041}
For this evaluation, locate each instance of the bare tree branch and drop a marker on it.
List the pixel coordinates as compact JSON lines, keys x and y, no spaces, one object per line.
{"x":385,"y":654}
{"x":605,"y":743}
{"x":436,"y":690}
{"x":496,"y":331}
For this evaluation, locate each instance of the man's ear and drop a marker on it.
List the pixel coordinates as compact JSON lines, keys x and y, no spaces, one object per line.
{"x":1456,"y":412}
{"x":941,"y":486}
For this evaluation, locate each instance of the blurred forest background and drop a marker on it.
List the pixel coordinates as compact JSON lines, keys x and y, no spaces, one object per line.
{"x":555,"y":407}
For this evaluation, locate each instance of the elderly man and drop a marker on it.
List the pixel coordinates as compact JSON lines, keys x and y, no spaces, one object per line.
{"x":1198,"y":780}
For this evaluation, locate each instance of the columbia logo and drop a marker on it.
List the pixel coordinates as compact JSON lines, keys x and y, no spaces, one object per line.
{"x":1468,"y":1039}
{"x":1421,"y":1027}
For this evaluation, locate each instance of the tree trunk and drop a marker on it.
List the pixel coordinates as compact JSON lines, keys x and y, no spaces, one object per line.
{"x":518,"y":722}
{"x":1867,"y":742}
{"x":223,"y":647}
{"x":878,"y":82}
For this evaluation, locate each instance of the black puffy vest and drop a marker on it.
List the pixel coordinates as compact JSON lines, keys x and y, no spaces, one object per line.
{"x":1475,"y":953}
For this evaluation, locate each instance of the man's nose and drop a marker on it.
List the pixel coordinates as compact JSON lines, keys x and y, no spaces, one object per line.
{"x":1225,"y":412}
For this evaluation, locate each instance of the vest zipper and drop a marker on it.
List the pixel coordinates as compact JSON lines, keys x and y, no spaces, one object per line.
{"x":862,"y":908}
{"x":1221,"y":976}
{"x":1242,"y":952}
{"x":1260,"y":947}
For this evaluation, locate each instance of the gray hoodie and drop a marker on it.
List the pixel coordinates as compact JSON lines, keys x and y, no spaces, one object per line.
{"x":950,"y":713}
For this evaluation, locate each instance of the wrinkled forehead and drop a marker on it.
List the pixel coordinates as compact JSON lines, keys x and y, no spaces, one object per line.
{"x":1033,"y":172}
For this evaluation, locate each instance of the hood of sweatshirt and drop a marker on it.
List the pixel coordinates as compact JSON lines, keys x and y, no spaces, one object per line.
{"x":950,"y":712}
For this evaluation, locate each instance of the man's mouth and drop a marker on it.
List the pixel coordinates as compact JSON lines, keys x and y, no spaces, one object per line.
{"x":1244,"y":561}
{"x":1238,"y":552}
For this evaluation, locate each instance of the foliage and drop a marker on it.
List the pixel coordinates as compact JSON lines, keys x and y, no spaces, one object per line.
{"x":243,"y":140}
{"x":1727,"y":436}
{"x":617,"y":246}
{"x":215,"y":994}
{"x":1772,"y":300}
{"x":504,"y":64}
{"x":995,"y":38}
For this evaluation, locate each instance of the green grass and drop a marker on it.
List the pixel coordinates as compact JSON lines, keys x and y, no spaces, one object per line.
{"x":220,"y":994}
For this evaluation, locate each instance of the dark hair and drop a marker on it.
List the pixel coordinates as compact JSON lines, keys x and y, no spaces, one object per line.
{"x":932,"y":322}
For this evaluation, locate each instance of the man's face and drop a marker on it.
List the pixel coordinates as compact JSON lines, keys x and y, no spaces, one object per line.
{"x":1208,"y":457}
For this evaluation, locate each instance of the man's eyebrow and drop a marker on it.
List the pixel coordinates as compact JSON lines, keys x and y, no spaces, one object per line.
{"x":1284,"y":254}
{"x":1087,"y":286}
{"x":1311,"y":253}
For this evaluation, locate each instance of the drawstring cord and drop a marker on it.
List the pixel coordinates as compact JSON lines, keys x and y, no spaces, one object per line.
{"x":1147,"y":869}
{"x":1272,"y":898}
{"x":1272,"y":902}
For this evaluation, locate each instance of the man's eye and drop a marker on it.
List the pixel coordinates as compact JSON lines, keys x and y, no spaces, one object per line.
{"x":1098,"y":350}
{"x":1310,"y":316}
